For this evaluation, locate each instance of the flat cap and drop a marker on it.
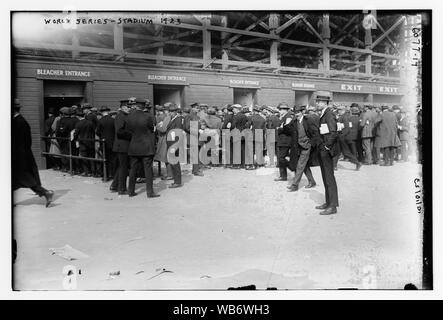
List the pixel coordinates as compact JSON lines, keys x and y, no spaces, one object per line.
{"x":323,"y":95}
{"x":299,"y":108}
{"x":104,"y":109}
{"x":283,"y":105}
{"x":236,"y":106}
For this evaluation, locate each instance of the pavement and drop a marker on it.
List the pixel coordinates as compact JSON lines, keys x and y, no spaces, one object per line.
{"x":230,"y":228}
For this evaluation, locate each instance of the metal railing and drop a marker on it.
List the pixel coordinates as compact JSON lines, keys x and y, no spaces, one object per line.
{"x":71,"y":156}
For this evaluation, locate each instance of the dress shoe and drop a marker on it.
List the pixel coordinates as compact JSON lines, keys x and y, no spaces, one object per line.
{"x":48,"y":195}
{"x":132,"y":194}
{"x":153,"y":195}
{"x":113,"y":190}
{"x":250,"y":168}
{"x":281,"y":179}
{"x":384,"y":164}
{"x":293,"y":188}
{"x":175,"y":185}
{"x":122,"y":193}
{"x":310,"y":185}
{"x":358,"y":166}
{"x":322,"y":207}
{"x":328,"y":211}
{"x":198,"y":174}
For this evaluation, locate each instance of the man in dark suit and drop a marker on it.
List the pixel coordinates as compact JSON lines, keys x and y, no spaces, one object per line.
{"x":120,"y":148}
{"x":344,"y":131}
{"x":302,"y":136}
{"x":63,"y":132}
{"x":327,"y":150}
{"x":257,"y":123}
{"x":284,"y":140}
{"x":141,"y":149}
{"x":240,"y":122}
{"x":24,"y":169}
{"x":84,"y":135}
{"x":177,"y":122}
{"x":106,"y":131}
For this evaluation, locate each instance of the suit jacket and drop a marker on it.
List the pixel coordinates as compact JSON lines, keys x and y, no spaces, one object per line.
{"x":367,"y":122}
{"x":388,"y":130}
{"x":272,"y":122}
{"x":175,"y":123}
{"x":48,"y":126}
{"x":329,"y":140}
{"x":141,"y":126}
{"x":285,"y":131}
{"x":403,"y":130}
{"x":354,"y":130}
{"x":106,"y":130}
{"x":84,"y":132}
{"x":24,"y":169}
{"x":93,"y":118}
{"x":120,"y":124}
{"x":229,"y":117}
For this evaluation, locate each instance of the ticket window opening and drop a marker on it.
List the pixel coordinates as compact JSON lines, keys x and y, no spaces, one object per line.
{"x":302,"y":98}
{"x":58,"y":94}
{"x":245,"y":97}
{"x":168,"y":93}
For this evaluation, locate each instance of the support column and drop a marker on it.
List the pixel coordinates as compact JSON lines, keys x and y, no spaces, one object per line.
{"x":326,"y":35}
{"x":368,"y":44}
{"x":224,"y":36}
{"x":159,"y":53}
{"x":207,"y":56}
{"x":75,"y":44}
{"x":118,"y":39}
{"x":274,"y":23}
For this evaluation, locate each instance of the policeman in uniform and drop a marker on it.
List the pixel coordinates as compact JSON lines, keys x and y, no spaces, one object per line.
{"x":141,"y":147}
{"x":327,"y":149}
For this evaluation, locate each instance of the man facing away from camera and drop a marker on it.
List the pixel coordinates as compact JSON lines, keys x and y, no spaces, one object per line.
{"x":141,"y":149}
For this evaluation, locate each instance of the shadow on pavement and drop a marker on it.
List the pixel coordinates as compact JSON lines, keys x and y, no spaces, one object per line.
{"x":41,"y":200}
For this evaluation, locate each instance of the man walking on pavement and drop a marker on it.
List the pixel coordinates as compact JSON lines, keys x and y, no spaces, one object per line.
{"x":24,"y":168}
{"x":176,"y":122}
{"x":304,"y":150}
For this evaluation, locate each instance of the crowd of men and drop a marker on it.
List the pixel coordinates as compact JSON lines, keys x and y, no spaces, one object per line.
{"x":135,"y":136}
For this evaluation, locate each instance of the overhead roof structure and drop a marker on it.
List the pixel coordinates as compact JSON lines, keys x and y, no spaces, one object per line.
{"x":345,"y":44}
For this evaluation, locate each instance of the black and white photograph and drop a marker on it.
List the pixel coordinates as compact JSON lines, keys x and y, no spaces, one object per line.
{"x":220,"y":150}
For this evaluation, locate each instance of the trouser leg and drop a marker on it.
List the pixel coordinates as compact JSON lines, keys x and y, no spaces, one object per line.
{"x":301,"y":165}
{"x":282,"y":162}
{"x":308,"y":174}
{"x":367,"y":147}
{"x":347,"y":153}
{"x":329,"y":178}
{"x":39,"y":190}
{"x":147,"y":165}
{"x":122,"y":170}
{"x":133,"y":174}
{"x":176,"y":173}
{"x":404,"y":150}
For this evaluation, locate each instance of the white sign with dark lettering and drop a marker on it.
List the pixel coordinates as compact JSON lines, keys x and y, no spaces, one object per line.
{"x":386,"y":89}
{"x":173,"y":78}
{"x":244,"y":83}
{"x":351,"y":87}
{"x":63,"y":73}
{"x":301,"y":85}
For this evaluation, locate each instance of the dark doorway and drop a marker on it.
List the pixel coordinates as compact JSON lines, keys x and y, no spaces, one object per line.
{"x":245,"y":97}
{"x":168,"y":93}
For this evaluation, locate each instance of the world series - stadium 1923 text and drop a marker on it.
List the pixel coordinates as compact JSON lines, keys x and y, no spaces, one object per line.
{"x":222,"y":309}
